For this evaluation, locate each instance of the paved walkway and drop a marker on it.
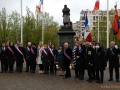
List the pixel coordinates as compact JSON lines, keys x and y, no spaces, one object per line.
{"x":28,"y":81}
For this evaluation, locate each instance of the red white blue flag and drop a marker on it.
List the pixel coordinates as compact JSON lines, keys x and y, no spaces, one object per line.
{"x":38,"y":7}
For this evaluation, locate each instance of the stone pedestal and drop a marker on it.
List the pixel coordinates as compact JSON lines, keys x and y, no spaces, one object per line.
{"x":66,"y":34}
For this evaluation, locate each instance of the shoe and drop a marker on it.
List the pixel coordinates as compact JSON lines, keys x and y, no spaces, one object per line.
{"x":110,"y":80}
{"x":87,"y":80}
{"x":76,"y":76}
{"x":101,"y":82}
{"x":26,"y":71}
{"x":61,"y":75}
{"x":98,"y":81}
{"x":65,"y":77}
{"x":90,"y":81}
{"x":117,"y":80}
{"x":39,"y":72}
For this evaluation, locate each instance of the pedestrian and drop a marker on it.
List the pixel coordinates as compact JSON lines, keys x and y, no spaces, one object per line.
{"x":113,"y":59}
{"x":89,"y":55}
{"x":100,"y":63}
{"x":3,"y":58}
{"x":10,"y":55}
{"x":32,"y":59}
{"x":45,"y":59}
{"x":52,"y":58}
{"x":67,"y":60}
{"x":20,"y":57}
{"x":60,"y":60}
{"x":27,"y":59}
{"x":39,"y":55}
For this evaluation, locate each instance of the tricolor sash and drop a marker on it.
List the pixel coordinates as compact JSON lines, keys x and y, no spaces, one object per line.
{"x":44,"y":52}
{"x":40,"y":49}
{"x":20,"y":51}
{"x":67,"y":56}
{"x":32,"y":51}
{"x":11,"y":50}
{"x":51,"y":51}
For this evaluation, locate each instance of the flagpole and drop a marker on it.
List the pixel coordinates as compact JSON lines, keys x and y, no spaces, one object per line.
{"x":43,"y":22}
{"x":107,"y":23}
{"x":21,"y":24}
{"x":98,"y":27}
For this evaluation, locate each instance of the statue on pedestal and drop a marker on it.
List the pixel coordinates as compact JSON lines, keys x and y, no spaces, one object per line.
{"x":66,"y":16}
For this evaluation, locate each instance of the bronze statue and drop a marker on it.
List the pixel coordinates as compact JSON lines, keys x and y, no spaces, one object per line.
{"x":66,"y":16}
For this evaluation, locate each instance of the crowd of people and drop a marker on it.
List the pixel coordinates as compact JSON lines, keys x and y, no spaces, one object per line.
{"x":89,"y":56}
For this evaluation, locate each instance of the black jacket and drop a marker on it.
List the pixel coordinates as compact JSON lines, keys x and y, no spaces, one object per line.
{"x":112,"y":57}
{"x":100,"y":60}
{"x":68,"y":51}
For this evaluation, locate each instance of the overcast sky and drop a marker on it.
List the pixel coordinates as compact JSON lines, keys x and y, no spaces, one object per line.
{"x":54,"y":7}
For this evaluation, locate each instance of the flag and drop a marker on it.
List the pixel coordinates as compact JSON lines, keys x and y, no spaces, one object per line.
{"x":115,"y":24}
{"x":118,"y":34}
{"x":87,"y":33}
{"x":38,"y":7}
{"x":97,"y":4}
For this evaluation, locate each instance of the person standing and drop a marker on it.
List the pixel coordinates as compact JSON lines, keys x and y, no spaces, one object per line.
{"x":28,"y":57}
{"x":67,"y":60}
{"x":3,"y":58}
{"x":45,"y":59}
{"x":74,"y":60}
{"x":39,"y":55}
{"x":113,"y":59}
{"x":33,"y":55}
{"x":89,"y":55}
{"x":52,"y":58}
{"x":60,"y":60}
{"x":10,"y":55}
{"x":100,"y":63}
{"x":80,"y":59}
{"x":20,"y":55}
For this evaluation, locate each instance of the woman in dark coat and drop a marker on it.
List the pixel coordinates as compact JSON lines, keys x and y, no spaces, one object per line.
{"x":60,"y":60}
{"x":100,"y":63}
{"x":10,"y":55}
{"x":45,"y":59}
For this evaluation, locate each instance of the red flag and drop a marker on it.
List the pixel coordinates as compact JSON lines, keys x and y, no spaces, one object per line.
{"x":115,"y":24}
{"x":38,"y":8}
{"x":97,"y":4}
{"x":89,"y":37}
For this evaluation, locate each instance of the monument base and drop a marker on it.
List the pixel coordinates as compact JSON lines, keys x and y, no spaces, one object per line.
{"x":66,"y":34}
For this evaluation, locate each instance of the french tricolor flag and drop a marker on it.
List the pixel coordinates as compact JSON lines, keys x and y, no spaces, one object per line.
{"x":97,"y":5}
{"x":38,"y":7}
{"x":87,"y":32}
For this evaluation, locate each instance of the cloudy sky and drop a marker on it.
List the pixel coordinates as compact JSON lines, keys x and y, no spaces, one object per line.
{"x":54,"y":7}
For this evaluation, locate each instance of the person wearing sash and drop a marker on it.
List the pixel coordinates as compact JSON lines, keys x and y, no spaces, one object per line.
{"x":20,"y":55}
{"x":113,"y":59}
{"x":60,"y":60}
{"x":28,"y":57}
{"x":39,"y":54}
{"x":52,"y":58}
{"x":16,"y":46}
{"x":100,"y":63}
{"x":45,"y":59}
{"x":33,"y":55}
{"x":3,"y":58}
{"x":89,"y":56}
{"x":67,"y":60}
{"x":10,"y":55}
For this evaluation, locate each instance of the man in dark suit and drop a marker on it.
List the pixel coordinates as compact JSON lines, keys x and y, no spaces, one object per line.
{"x":80,"y":59}
{"x":52,"y":58}
{"x":20,"y":55}
{"x":67,"y":60}
{"x":112,"y":57}
{"x":89,"y":55}
{"x":3,"y":58}
{"x":33,"y":56}
{"x":27,"y":56}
